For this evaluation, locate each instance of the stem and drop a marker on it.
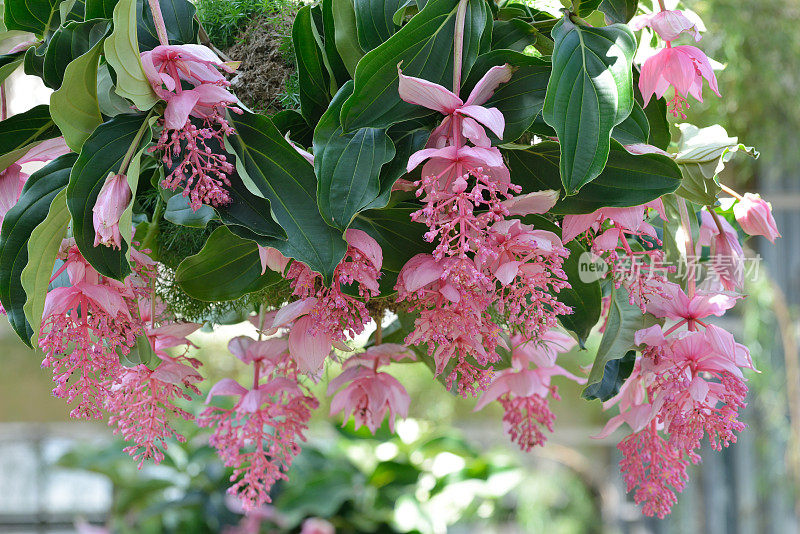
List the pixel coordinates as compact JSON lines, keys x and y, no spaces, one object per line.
{"x":123,"y":167}
{"x":716,"y":220}
{"x":152,"y":229}
{"x":378,"y":330}
{"x":458,"y":45}
{"x":158,"y":22}
{"x":730,"y":191}
{"x":688,"y":244}
{"x":661,"y":5}
{"x":3,"y":103}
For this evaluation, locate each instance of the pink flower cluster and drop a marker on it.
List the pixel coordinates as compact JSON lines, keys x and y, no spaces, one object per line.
{"x":88,"y":325}
{"x":688,"y":384}
{"x":682,"y":67}
{"x":608,"y":231}
{"x":191,"y":153}
{"x":484,"y":262}
{"x":523,"y":389}
{"x":259,"y":435}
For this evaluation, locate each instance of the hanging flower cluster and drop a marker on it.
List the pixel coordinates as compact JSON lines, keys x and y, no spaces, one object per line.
{"x":189,"y":152}
{"x":483,"y":261}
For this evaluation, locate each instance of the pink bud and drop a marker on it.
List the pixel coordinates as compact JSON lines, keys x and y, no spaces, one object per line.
{"x":114,"y":197}
{"x":754,"y":215}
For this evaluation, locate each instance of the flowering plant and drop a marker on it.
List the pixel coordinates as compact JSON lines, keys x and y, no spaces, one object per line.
{"x":492,"y":180}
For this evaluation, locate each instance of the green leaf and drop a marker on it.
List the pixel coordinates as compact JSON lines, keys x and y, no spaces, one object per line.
{"x":18,"y":224}
{"x":122,"y":53}
{"x":590,"y":92}
{"x":521,"y":99}
{"x":102,"y":155}
{"x":634,"y":129}
{"x":311,"y":71}
{"x":100,"y":9}
{"x":514,"y":34}
{"x":43,"y":247}
{"x":585,"y":7}
{"x":179,"y":19}
{"x":74,"y":106}
{"x":30,"y":16}
{"x":334,"y":62}
{"x":585,"y":298}
{"x":292,"y":123}
{"x":23,"y":131}
{"x":345,"y":33}
{"x":425,"y":48}
{"x":110,"y":102}
{"x":615,"y":373}
{"x":702,"y":154}
{"x":374,"y":20}
{"x":141,"y":353}
{"x":227,"y":268}
{"x":68,"y":43}
{"x":624,"y":320}
{"x":347,"y":165}
{"x":274,"y":170}
{"x":656,"y":114}
{"x":251,"y":212}
{"x":627,"y":180}
{"x":400,"y":239}
{"x":619,"y":10}
{"x":178,"y":211}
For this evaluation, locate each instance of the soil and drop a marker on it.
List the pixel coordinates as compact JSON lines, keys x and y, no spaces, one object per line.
{"x":260,"y":79}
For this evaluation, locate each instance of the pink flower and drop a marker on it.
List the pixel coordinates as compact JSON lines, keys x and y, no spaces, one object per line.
{"x":673,"y":303}
{"x":114,"y":197}
{"x":13,"y":178}
{"x":369,"y":395}
{"x":317,"y":525}
{"x":272,"y":259}
{"x":629,"y":219}
{"x":682,"y":67}
{"x":531,"y":203}
{"x":667,"y":24}
{"x":754,"y":215}
{"x":167,"y":66}
{"x":434,"y":96}
{"x":727,"y":256}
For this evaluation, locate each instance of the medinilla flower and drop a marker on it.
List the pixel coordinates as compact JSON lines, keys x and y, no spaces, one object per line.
{"x":368,"y":394}
{"x":727,"y":255}
{"x":114,"y":197}
{"x":682,"y":67}
{"x":669,"y":25}
{"x":754,"y":215}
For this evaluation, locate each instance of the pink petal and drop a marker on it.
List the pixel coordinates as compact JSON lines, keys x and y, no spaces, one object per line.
{"x":225,"y":387}
{"x":574,"y":225}
{"x":362,"y":241}
{"x":428,"y":94}
{"x":309,"y":351}
{"x":492,"y":118}
{"x":292,"y":311}
{"x":487,"y":85}
{"x":530,"y":203}
{"x":179,"y":107}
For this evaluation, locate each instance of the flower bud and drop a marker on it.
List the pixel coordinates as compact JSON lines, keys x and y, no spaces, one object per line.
{"x":114,"y":197}
{"x":754,"y":215}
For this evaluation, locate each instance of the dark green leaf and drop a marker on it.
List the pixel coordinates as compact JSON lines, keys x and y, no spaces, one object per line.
{"x":585,"y":7}
{"x":178,"y":18}
{"x":178,"y":211}
{"x":249,"y":211}
{"x":347,"y":165}
{"x":30,"y":16}
{"x":521,"y":99}
{"x":100,"y":157}
{"x":227,"y":268}
{"x":624,"y":320}
{"x":68,"y":43}
{"x":425,"y":48}
{"x":9,"y":63}
{"x":656,"y":113}
{"x":615,"y":373}
{"x":18,"y":224}
{"x":274,"y":170}
{"x":590,"y":92}
{"x":514,"y":34}
{"x":100,"y":9}
{"x":374,"y":20}
{"x":21,"y":132}
{"x":334,"y":62}
{"x":312,"y":74}
{"x":634,"y":129}
{"x":627,"y":180}
{"x":292,"y":123}
{"x":619,"y":10}
{"x":345,"y":34}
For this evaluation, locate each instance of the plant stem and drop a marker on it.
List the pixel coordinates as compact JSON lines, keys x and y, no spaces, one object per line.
{"x":688,"y":246}
{"x":716,"y":219}
{"x":661,"y":5}
{"x":126,"y":160}
{"x":378,"y":330}
{"x":458,"y":44}
{"x":730,"y":191}
{"x":3,"y":103}
{"x":153,"y":228}
{"x":158,"y":21}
